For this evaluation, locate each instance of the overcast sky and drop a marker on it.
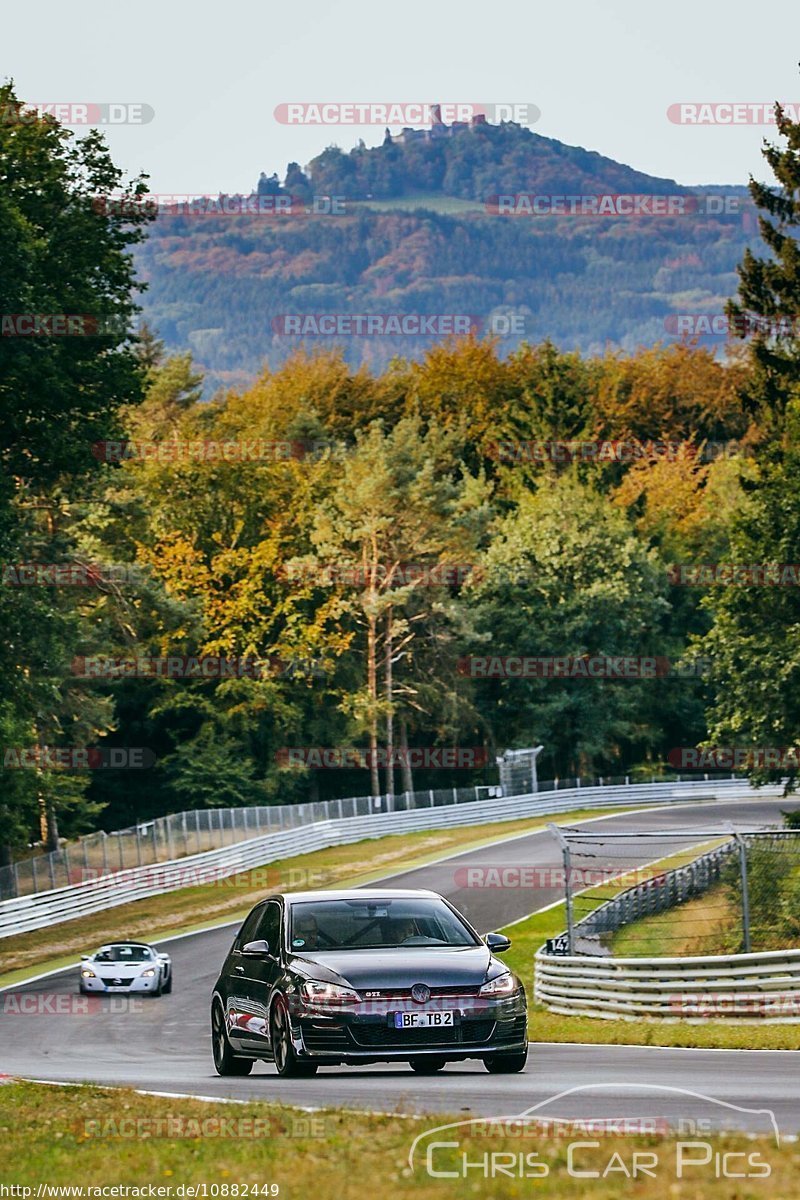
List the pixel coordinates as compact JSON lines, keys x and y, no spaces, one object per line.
{"x":602,"y":72}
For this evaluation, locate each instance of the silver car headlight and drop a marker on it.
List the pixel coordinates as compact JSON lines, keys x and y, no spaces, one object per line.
{"x":148,"y":974}
{"x":501,"y":985}
{"x":87,"y":974}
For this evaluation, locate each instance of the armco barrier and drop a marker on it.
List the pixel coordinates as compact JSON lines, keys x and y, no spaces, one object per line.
{"x":135,"y":883}
{"x":764,"y":986}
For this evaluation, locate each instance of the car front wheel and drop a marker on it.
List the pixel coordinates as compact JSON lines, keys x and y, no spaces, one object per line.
{"x":506,"y":1064}
{"x":287,"y":1064}
{"x":225,"y":1061}
{"x":427,"y":1066}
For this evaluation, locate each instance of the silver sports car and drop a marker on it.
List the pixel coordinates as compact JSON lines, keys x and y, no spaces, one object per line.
{"x":126,"y":967}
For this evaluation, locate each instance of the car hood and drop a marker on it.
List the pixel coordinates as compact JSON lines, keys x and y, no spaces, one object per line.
{"x":464,"y":966}
{"x":119,"y":970}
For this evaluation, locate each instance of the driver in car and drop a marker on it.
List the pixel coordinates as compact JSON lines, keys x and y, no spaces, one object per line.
{"x":307,"y":931}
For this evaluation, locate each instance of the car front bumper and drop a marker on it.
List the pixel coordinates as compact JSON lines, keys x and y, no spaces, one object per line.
{"x":135,"y":986}
{"x":366,"y":1033}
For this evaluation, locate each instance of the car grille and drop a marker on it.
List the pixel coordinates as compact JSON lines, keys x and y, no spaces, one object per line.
{"x":383,"y":1035}
{"x":117,"y":982}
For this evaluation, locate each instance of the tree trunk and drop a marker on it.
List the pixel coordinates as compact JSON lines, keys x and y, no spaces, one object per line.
{"x":372,"y":687}
{"x":389,"y":713}
{"x":405,"y":765}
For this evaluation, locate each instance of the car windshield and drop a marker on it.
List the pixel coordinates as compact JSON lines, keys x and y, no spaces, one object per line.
{"x":373,"y":924}
{"x":133,"y":954}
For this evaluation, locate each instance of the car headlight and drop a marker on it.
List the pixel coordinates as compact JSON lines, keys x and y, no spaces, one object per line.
{"x":87,"y":974}
{"x":501,"y":985}
{"x":148,"y":974}
{"x":328,"y":993}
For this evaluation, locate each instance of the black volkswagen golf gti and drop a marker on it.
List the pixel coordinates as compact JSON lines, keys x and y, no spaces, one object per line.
{"x":324,"y":978}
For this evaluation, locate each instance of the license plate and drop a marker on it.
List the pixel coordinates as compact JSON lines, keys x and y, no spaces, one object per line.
{"x":412,"y":1020}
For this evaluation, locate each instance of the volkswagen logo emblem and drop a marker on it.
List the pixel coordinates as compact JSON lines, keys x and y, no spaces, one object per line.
{"x":421,"y":993}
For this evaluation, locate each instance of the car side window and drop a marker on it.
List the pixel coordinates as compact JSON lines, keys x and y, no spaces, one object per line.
{"x":247,"y":932}
{"x":269,"y":927}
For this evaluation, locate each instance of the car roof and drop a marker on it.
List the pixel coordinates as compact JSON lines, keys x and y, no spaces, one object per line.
{"x":356,"y":894}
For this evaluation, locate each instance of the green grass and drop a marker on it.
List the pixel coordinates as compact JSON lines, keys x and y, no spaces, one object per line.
{"x":206,"y":905}
{"x":74,"y":1136}
{"x":709,"y":924}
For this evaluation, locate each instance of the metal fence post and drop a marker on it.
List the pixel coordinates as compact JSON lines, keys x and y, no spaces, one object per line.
{"x":554,"y":829}
{"x":745,"y":896}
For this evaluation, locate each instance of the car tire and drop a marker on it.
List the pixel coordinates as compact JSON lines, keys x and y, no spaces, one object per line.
{"x":167,"y":988}
{"x":287,"y":1064}
{"x":506,"y":1064}
{"x":427,"y":1066}
{"x":225,"y":1061}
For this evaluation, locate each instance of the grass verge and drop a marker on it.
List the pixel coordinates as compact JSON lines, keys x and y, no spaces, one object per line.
{"x":204,"y":905}
{"x":79,"y":1137}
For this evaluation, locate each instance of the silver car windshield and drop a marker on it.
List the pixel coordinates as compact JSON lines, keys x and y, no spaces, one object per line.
{"x":133,"y":954}
{"x":375,"y":924}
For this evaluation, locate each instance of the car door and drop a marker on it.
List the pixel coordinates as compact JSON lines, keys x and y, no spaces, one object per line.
{"x":259,"y":975}
{"x":237,"y":1004}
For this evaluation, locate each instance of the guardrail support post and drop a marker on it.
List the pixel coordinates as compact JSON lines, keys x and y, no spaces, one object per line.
{"x":562,"y":841}
{"x":745,"y":896}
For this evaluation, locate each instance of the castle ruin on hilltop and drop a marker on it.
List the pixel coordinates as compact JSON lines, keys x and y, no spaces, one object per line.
{"x":437,"y":130}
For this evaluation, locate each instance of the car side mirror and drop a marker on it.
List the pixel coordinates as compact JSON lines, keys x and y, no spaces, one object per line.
{"x":498,"y":942}
{"x":84,"y":958}
{"x":257,"y":949}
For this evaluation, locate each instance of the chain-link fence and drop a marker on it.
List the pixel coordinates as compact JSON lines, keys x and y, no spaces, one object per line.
{"x":741,"y":894}
{"x":180,"y":834}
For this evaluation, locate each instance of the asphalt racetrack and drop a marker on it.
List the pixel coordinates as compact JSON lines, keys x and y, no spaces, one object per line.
{"x":164,"y":1045}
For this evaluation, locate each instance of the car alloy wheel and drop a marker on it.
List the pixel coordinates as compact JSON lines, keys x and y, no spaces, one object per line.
{"x":287,"y":1064}
{"x":225,"y":1061}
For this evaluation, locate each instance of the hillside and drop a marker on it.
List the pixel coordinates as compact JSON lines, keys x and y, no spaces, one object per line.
{"x":418,"y":231}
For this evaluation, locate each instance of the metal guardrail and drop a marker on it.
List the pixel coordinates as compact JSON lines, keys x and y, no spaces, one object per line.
{"x":26,"y":913}
{"x":763,"y":986}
